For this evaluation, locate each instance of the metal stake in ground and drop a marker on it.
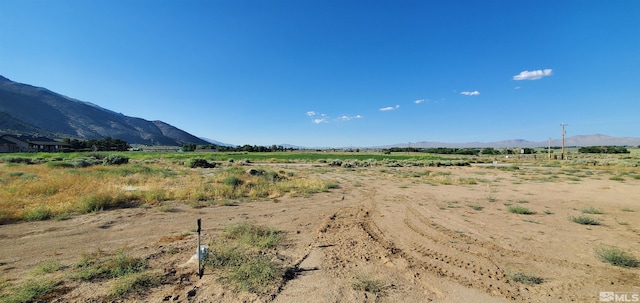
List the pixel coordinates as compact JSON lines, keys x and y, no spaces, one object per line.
{"x":200,"y":271}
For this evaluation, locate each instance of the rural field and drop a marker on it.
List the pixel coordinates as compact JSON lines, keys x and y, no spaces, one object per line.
{"x":317,"y":227}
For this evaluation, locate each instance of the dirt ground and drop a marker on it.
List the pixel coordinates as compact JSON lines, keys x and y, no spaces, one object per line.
{"x":442,"y":237}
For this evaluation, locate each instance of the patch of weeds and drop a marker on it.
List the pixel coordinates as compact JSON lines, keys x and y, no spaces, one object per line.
{"x":257,"y":274}
{"x":548,"y":212}
{"x":616,"y":256}
{"x":235,"y":259}
{"x":585,"y":220}
{"x":63,"y":216}
{"x":38,"y":213}
{"x":617,"y":178}
{"x":104,"y":266}
{"x":522,"y":201}
{"x":523,"y":278}
{"x":491,"y":198}
{"x":629,"y":210}
{"x":366,"y":283}
{"x":622,"y":222}
{"x":592,"y":210}
{"x":136,"y":282}
{"x":254,"y":236}
{"x":531,"y":221}
{"x":521,"y":210}
{"x":29,"y":291}
{"x":476,"y":207}
{"x":47,"y":267}
{"x":453,"y":204}
{"x":232,"y":181}
{"x":167,"y":207}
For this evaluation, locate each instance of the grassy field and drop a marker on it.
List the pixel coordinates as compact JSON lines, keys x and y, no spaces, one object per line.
{"x":41,"y":186}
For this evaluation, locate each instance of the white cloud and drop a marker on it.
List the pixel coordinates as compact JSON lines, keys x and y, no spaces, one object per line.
{"x":311,"y":113}
{"x":473,"y":93}
{"x":319,"y":120}
{"x":517,"y":87}
{"x":347,"y":118}
{"x":533,"y":75}
{"x":388,"y":108}
{"x":419,"y":101}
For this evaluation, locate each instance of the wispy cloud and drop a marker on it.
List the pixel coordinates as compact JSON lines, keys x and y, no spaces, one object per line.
{"x":533,"y":75}
{"x":347,"y":118}
{"x":473,"y":93}
{"x":388,"y":108}
{"x":419,"y":101}
{"x":517,"y":87}
{"x":318,"y":118}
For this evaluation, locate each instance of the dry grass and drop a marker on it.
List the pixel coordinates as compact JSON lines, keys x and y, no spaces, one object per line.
{"x":40,"y":192}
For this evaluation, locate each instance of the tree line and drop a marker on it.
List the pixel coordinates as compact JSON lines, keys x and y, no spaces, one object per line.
{"x":240,"y":148}
{"x":102,"y":144}
{"x":603,"y":150}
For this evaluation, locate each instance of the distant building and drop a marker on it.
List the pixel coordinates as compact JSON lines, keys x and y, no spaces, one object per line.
{"x":21,"y":143}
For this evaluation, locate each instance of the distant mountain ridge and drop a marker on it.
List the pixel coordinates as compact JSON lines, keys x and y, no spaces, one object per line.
{"x":578,"y":140}
{"x":30,"y":110}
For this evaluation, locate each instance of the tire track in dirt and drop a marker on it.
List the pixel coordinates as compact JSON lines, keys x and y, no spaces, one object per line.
{"x":435,"y":257}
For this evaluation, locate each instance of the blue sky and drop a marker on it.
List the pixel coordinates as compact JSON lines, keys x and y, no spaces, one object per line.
{"x":339,"y":73}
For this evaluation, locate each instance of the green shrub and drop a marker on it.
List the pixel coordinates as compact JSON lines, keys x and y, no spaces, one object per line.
{"x":38,"y":213}
{"x":616,"y":256}
{"x":115,"y":160}
{"x":136,"y":282}
{"x":254,"y":236}
{"x":29,"y":291}
{"x":365,"y":283}
{"x":199,"y":162}
{"x":232,"y":181}
{"x":592,"y":211}
{"x":525,"y":279}
{"x":521,"y":210}
{"x":585,"y":220}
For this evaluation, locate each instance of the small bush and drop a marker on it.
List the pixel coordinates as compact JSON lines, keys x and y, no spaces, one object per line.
{"x":38,"y":213}
{"x":254,"y":236}
{"x":592,"y":211}
{"x":616,"y":256}
{"x":525,"y":279}
{"x":136,"y":282}
{"x":365,"y":283}
{"x":521,"y":210}
{"x":476,"y":207}
{"x":199,"y":162}
{"x":30,"y":291}
{"x":232,"y":181}
{"x":585,"y":220}
{"x":115,"y":160}
{"x":47,"y":267}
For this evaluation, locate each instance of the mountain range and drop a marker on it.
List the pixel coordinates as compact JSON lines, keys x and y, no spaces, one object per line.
{"x":30,"y":110}
{"x":578,"y":140}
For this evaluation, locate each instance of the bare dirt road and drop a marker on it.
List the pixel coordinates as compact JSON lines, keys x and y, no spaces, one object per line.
{"x":425,"y":234}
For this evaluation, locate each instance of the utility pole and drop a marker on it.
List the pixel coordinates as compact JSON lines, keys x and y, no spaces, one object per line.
{"x":563,"y":133}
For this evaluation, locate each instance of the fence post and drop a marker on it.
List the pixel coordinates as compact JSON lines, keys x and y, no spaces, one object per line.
{"x":199,"y":253}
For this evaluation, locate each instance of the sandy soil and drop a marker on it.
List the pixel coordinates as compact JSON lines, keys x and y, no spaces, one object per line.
{"x":424,"y":240}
